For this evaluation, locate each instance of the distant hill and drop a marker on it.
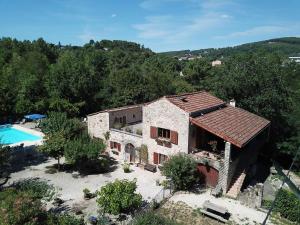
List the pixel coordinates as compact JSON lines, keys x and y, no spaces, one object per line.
{"x":289,"y":46}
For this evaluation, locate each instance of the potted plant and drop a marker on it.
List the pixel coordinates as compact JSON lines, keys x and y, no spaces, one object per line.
{"x":87,"y":194}
{"x":126,"y":167}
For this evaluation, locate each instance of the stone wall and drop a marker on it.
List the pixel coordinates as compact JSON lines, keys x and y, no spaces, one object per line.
{"x":133,"y":115}
{"x":164,"y":114}
{"x":124,"y":138}
{"x":252,"y":196}
{"x":98,"y":124}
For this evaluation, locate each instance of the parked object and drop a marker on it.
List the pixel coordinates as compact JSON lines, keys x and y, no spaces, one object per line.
{"x":150,"y":167}
{"x":217,"y":212}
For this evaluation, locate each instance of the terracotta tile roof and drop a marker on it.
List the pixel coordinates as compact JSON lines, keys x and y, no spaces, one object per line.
{"x":195,"y":101}
{"x":232,"y":124}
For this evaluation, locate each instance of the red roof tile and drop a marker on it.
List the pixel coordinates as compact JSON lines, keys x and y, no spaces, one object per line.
{"x":232,"y":124}
{"x":195,"y":101}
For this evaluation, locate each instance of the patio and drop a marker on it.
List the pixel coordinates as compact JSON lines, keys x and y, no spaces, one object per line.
{"x":70,"y":188}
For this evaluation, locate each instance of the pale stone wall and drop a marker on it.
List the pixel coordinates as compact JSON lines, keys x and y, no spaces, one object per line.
{"x":133,"y":115}
{"x":164,"y":114}
{"x":124,"y":138}
{"x":252,"y":196}
{"x":98,"y":124}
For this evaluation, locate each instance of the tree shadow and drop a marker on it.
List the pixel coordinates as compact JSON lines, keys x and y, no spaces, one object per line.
{"x":22,"y":157}
{"x":103,"y":165}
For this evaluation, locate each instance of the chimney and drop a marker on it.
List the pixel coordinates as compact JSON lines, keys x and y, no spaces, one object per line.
{"x":232,"y":102}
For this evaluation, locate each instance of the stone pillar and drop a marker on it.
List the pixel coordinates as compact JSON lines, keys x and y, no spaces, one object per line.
{"x":226,"y":168}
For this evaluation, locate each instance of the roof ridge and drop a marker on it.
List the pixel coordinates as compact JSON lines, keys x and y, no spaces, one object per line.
{"x":183,"y":94}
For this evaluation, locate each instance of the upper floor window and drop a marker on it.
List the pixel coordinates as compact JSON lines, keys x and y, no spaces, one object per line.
{"x":163,"y":133}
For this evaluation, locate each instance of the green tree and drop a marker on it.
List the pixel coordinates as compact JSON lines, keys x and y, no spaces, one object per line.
{"x":54,"y":146}
{"x":119,"y":197}
{"x":58,"y":122}
{"x":181,"y":169}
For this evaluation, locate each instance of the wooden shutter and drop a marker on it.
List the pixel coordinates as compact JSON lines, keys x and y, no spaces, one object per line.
{"x":111,"y":145}
{"x":119,"y":147}
{"x":153,"y":132}
{"x":155,"y":158}
{"x":174,"y":137}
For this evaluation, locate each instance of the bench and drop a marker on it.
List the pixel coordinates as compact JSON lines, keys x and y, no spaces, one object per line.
{"x":217,"y":212}
{"x":150,"y":167}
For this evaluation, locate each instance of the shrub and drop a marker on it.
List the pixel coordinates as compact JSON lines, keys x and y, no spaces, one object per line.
{"x":181,"y":169}
{"x":19,"y":207}
{"x":151,"y":218}
{"x":63,"y":219}
{"x":36,"y":188}
{"x":119,"y":197}
{"x":126,"y":167}
{"x":288,"y":205}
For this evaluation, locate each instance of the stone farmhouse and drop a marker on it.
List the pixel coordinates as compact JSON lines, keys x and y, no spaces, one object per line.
{"x":224,"y":139}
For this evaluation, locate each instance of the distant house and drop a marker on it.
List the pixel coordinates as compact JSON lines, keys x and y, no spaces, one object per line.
{"x":216,"y":63}
{"x":224,"y":139}
{"x":295,"y":59}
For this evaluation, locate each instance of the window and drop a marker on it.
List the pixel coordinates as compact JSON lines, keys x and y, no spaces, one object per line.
{"x":162,"y":158}
{"x":133,"y":116}
{"x":115,"y":145}
{"x":163,"y":133}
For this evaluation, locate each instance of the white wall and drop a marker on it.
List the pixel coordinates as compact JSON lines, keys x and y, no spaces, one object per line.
{"x":164,"y":114}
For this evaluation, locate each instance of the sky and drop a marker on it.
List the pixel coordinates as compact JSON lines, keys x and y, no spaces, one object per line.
{"x":161,"y":25}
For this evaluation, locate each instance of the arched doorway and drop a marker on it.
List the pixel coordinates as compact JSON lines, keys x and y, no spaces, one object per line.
{"x":130,"y":152}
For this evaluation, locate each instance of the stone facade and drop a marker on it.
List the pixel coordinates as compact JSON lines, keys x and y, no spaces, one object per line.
{"x":98,"y":124}
{"x":164,"y":114}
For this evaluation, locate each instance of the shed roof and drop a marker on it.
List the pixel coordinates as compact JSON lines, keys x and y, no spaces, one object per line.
{"x":232,"y":124}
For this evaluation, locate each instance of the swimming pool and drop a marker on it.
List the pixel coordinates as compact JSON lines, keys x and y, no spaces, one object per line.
{"x":12,"y":135}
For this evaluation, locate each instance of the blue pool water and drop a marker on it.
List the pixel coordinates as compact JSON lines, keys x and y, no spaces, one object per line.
{"x":10,"y":135}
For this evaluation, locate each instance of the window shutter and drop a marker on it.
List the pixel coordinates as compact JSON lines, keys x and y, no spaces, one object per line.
{"x":155,"y":158}
{"x":119,"y":147}
{"x":174,"y":137}
{"x":111,"y":145}
{"x":153,"y":132}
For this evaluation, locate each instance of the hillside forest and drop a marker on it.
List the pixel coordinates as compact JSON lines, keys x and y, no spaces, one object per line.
{"x":40,"y":77}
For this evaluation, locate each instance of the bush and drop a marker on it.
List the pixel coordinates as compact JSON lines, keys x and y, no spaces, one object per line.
{"x":19,"y":207}
{"x":126,"y":167}
{"x":83,"y":148}
{"x":63,"y":219}
{"x":288,"y":205}
{"x":36,"y":188}
{"x":181,"y":169}
{"x":119,"y":197}
{"x":151,"y":218}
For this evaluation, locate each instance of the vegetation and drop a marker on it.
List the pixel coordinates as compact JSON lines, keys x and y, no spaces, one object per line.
{"x":287,"y":205}
{"x":181,"y":169}
{"x":66,"y":137}
{"x":22,"y":204}
{"x":119,"y":197}
{"x":150,"y":218}
{"x":4,"y":164}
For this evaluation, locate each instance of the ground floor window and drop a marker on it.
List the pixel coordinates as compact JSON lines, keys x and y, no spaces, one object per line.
{"x":159,"y":158}
{"x":115,"y":145}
